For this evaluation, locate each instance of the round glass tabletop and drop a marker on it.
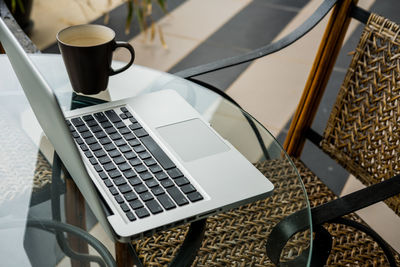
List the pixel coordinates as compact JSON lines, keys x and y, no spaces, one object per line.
{"x":29,"y":203}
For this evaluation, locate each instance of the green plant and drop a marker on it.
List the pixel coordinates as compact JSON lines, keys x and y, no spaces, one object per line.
{"x":143,"y":10}
{"x":14,"y":4}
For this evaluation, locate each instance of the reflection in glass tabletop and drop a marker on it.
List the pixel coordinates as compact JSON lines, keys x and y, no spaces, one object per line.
{"x":29,"y":198}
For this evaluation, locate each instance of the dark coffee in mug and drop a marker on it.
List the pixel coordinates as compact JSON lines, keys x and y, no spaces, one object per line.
{"x":87,"y":54}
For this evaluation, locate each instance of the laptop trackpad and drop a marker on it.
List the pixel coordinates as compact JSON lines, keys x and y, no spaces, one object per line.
{"x":192,"y":139}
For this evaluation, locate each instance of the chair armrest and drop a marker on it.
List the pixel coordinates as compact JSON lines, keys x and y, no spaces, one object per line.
{"x":299,"y":32}
{"x":12,"y":24}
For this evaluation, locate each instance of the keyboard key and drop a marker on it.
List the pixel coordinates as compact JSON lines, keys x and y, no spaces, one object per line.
{"x":119,"y":125}
{"x":129,"y":136}
{"x":106,"y":124}
{"x":112,"y":116}
{"x":149,"y":162}
{"x":96,"y":128}
{"x":153,"y":206}
{"x":157,"y":190}
{"x":104,"y":160}
{"x":109,"y":147}
{"x":75,"y":134}
{"x":92,"y":123}
{"x":124,"y":188}
{"x":145,"y":175}
{"x":93,"y":161}
{"x":119,"y":160}
{"x":123,"y":116}
{"x":124,"y":207}
{"x":84,"y":147}
{"x":166,"y":201}
{"x":115,"y":136}
{"x":167,"y":183}
{"x":88,"y":118}
{"x":146,"y":196}
{"x":119,"y":199}
{"x":125,"y":149}
{"x":82,"y":128}
{"x":140,"y":132}
{"x":157,"y":152}
{"x":140,"y":168}
{"x":135,"y":162}
{"x":124,"y":167}
{"x":134,"y":142}
{"x":79,"y":141}
{"x":95,"y":147}
{"x":135,"y":181}
{"x":129,"y":174}
{"x":100,"y":153}
{"x":151,"y":183}
{"x":161,"y":176}
{"x":113,"y":190}
{"x":124,"y":109}
{"x":100,"y":117}
{"x":87,"y":135}
{"x":98,"y":168}
{"x":140,"y":188}
{"x":109,"y":167}
{"x":177,"y":196}
{"x":119,"y":181}
{"x":188,"y":189}
{"x":181,"y":181}
{"x":175,"y":173}
{"x":195,"y":196}
{"x":130,"y":196}
{"x":110,"y":130}
{"x":136,"y":204}
{"x":120,"y":142}
{"x":141,"y":213}
{"x":135,"y":126}
{"x":131,"y":119}
{"x":139,"y":148}
{"x":77,"y":122}
{"x":114,"y":153}
{"x":100,"y":134}
{"x":91,"y":141}
{"x":88,"y":154}
{"x":144,"y":155}
{"x":130,"y":216}
{"x":104,"y":141}
{"x":155,"y":168}
{"x":103,"y":175}
{"x":130,"y":155}
{"x":108,"y":182}
{"x":124,"y":130}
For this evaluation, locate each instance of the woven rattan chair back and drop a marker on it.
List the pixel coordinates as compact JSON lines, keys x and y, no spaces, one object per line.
{"x":363,"y":132}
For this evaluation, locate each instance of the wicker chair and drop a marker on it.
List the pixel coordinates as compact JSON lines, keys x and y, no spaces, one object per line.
{"x":362,"y":135}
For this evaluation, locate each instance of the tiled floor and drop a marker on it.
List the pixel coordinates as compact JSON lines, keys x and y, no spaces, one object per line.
{"x":199,"y":31}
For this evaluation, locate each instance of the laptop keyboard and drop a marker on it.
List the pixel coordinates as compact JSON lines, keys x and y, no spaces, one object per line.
{"x":137,"y":172}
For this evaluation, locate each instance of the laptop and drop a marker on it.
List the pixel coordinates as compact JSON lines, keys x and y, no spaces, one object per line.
{"x":144,"y":163}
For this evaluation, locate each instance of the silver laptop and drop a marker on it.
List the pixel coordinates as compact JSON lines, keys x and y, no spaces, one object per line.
{"x":152,"y":159}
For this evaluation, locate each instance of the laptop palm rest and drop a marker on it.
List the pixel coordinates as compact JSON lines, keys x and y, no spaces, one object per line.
{"x":192,"y":139}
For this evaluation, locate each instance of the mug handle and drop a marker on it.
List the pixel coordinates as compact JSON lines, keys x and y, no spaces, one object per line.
{"x":131,"y":50}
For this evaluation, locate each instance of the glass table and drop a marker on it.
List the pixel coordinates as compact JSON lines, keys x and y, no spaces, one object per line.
{"x":35,"y":210}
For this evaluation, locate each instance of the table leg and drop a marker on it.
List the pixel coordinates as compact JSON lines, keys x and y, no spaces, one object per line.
{"x":75,"y":215}
{"x":123,"y":256}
